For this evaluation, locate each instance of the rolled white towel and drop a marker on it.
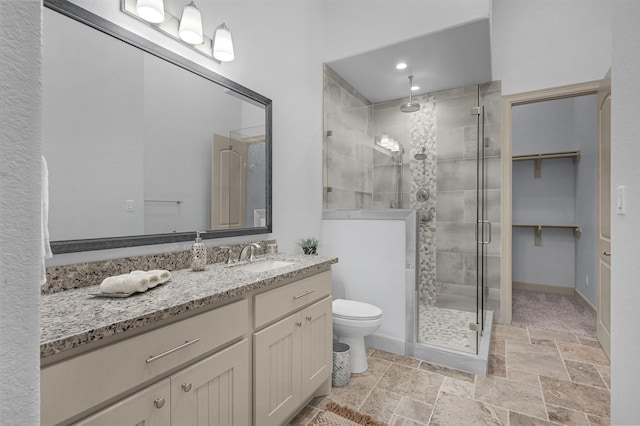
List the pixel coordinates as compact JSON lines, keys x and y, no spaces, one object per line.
{"x":125,"y":283}
{"x":164,"y":275}
{"x":154,"y":279}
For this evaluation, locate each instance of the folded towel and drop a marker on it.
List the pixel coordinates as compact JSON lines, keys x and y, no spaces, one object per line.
{"x":164,"y":275}
{"x":155,"y":277}
{"x":125,"y":283}
{"x":45,"y":252}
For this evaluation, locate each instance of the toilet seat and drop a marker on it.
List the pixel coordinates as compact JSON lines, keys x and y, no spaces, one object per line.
{"x":355,"y":311}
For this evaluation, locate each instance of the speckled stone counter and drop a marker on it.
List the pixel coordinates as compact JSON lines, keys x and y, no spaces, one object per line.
{"x":70,"y":319}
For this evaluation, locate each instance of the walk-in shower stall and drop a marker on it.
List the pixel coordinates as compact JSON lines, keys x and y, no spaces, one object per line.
{"x":442,"y":163}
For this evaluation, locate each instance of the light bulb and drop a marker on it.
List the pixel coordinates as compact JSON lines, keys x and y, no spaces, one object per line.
{"x":223,"y":44}
{"x":151,"y":10}
{"x":190,"y":30}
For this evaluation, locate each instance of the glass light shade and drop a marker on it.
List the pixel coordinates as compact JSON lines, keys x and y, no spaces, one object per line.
{"x":151,"y":10}
{"x":223,"y":44}
{"x":190,"y":30}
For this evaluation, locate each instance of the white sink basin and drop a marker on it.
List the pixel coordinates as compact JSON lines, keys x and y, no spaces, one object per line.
{"x":263,"y":265}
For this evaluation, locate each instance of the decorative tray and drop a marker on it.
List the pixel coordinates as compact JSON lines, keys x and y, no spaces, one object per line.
{"x":124,"y":295}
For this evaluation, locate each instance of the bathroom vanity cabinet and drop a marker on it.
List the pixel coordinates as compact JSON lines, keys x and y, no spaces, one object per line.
{"x":292,"y":357}
{"x":254,"y":360}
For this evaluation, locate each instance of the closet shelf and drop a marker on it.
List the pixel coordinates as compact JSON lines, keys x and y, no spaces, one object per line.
{"x":537,"y":158}
{"x":537,"y":229}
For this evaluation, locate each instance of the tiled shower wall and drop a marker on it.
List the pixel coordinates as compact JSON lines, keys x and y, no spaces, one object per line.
{"x":456,"y":195}
{"x":348,"y":147}
{"x":446,"y":129}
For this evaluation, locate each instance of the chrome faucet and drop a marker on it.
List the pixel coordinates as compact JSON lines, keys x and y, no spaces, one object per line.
{"x":251,"y":249}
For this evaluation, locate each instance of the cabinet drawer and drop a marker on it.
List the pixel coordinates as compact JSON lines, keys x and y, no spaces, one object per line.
{"x":149,"y":406}
{"x":73,"y":386}
{"x":277,"y":303}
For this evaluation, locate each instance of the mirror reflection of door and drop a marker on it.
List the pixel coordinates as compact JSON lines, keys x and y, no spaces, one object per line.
{"x":228,"y":183}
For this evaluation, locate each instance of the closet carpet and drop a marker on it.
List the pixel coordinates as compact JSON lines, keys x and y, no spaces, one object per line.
{"x":551,"y":311}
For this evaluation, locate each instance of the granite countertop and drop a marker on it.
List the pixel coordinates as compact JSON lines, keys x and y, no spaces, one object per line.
{"x":72,"y":318}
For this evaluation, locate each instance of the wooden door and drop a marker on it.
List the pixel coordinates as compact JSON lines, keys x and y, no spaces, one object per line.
{"x":228,"y":183}
{"x":277,"y":384}
{"x":214,"y":391}
{"x":149,"y":406}
{"x":317,"y":345}
{"x":604,"y":214}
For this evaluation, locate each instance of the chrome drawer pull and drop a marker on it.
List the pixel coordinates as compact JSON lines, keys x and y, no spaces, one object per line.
{"x":186,"y":387}
{"x":159,"y":402}
{"x":306,"y":293}
{"x":308,"y":318}
{"x":170,"y":351}
{"x":298,"y":323}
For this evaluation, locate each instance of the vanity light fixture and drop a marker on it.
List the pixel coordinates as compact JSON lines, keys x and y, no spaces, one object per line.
{"x":190,"y":30}
{"x":414,"y":88}
{"x":401,"y":66}
{"x":151,"y":10}
{"x":223,"y":44}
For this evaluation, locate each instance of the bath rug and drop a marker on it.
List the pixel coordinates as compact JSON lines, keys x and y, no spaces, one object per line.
{"x":326,"y":418}
{"x":346,"y":413}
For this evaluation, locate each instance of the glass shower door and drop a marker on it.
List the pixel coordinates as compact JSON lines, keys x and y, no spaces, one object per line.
{"x":453,"y":239}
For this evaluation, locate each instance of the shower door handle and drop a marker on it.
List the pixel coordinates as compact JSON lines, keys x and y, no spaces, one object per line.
{"x":487,"y":234}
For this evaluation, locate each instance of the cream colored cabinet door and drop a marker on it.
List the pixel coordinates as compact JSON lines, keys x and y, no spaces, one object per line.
{"x":149,"y":406}
{"x":214,"y":391}
{"x":317,"y":345}
{"x":277,"y":384}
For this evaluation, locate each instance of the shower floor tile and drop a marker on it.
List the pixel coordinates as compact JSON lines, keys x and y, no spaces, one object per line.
{"x":447,"y":328}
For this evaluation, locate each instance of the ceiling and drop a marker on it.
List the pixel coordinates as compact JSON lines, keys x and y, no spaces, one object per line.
{"x":447,"y":59}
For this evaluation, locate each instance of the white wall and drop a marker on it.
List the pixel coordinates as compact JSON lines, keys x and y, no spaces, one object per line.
{"x":549,"y":43}
{"x":372,"y":269}
{"x":625,"y":151}
{"x":20,"y":133}
{"x":358,"y":26}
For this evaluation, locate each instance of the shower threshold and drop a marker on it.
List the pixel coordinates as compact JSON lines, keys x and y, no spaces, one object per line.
{"x":459,"y":360}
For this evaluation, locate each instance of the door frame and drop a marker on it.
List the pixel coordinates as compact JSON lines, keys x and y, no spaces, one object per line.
{"x":508,"y":102}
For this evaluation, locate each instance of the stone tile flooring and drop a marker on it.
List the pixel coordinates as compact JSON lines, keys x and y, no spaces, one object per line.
{"x":536,"y":377}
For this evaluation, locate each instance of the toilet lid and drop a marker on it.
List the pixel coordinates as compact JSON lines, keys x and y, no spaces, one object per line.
{"x":355,"y":310}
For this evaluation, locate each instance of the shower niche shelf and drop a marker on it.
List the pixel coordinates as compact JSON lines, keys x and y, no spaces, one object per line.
{"x":537,"y":159}
{"x":537,"y":229}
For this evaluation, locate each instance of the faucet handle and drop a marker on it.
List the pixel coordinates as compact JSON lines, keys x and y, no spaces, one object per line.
{"x":229,"y":259}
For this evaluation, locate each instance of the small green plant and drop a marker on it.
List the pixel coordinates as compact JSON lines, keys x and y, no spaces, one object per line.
{"x":309,"y":245}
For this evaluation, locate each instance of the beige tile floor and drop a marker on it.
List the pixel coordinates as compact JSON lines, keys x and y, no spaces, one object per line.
{"x":536,"y":377}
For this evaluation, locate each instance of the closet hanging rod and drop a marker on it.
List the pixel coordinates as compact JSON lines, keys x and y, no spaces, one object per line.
{"x":537,"y":229}
{"x":537,"y":158}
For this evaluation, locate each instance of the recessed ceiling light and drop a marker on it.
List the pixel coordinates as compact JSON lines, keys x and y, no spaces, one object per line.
{"x":401,"y":66}
{"x":414,"y":88}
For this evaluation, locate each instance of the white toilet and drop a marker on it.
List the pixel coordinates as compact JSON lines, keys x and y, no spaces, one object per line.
{"x":351,"y":322}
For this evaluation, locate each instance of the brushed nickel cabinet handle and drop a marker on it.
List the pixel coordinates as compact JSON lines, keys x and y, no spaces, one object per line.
{"x":309,"y":318}
{"x":306,"y":293}
{"x":607,"y":253}
{"x":170,"y":351}
{"x":159,"y":402}
{"x":186,"y":387}
{"x":299,"y":323}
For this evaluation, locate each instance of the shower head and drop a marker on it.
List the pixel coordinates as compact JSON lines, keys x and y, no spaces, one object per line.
{"x":411,"y":106}
{"x":421,"y":156}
